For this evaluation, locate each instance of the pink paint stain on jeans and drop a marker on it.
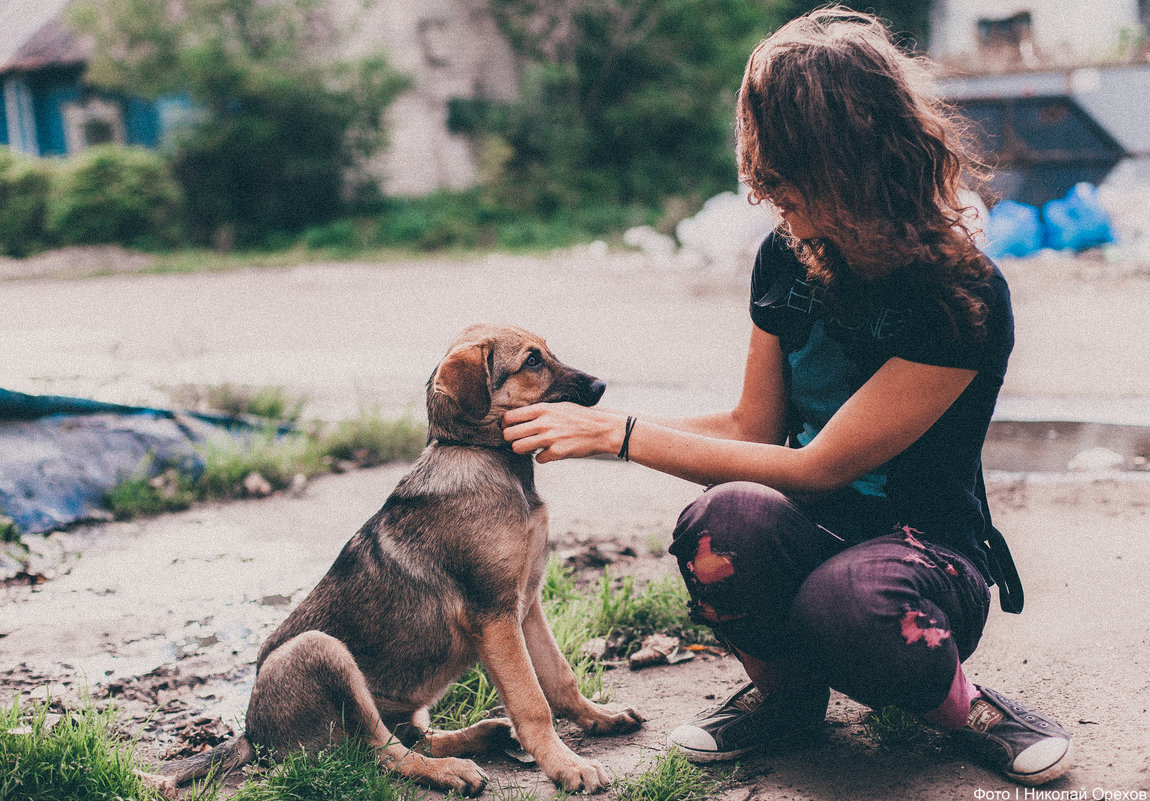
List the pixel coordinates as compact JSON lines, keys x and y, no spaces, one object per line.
{"x":913,"y":630}
{"x":916,"y":559}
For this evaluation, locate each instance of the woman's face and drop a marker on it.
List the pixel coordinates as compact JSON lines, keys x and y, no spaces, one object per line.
{"x":793,"y":209}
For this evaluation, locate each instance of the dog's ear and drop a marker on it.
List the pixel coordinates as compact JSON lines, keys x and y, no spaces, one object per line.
{"x":463,"y":377}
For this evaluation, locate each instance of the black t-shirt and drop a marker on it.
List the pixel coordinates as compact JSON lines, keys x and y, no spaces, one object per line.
{"x":832,"y":347}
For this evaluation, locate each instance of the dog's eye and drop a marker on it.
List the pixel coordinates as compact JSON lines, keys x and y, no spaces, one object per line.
{"x":533,"y":360}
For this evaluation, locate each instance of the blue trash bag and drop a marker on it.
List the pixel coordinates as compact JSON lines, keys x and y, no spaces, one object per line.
{"x":1077,"y":221}
{"x":1013,"y":229}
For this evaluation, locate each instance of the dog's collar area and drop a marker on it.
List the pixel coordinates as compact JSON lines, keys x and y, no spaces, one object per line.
{"x":447,"y":442}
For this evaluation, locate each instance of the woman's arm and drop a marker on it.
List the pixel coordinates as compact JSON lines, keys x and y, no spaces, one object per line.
{"x":893,"y":409}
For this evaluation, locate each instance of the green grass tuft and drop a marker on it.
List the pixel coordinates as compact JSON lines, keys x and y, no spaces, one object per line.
{"x":364,"y":441}
{"x":893,"y":727}
{"x":74,"y":757}
{"x":271,"y":403}
{"x":371,"y":439}
{"x":349,"y":771}
{"x":469,"y":700}
{"x":672,"y":778}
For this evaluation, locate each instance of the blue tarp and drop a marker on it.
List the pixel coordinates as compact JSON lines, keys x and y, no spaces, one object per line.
{"x":60,"y":456}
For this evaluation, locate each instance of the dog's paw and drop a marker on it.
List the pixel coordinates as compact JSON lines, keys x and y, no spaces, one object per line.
{"x":581,"y":776}
{"x":164,"y":785}
{"x":602,"y":720}
{"x":494,"y":734}
{"x":461,"y":775}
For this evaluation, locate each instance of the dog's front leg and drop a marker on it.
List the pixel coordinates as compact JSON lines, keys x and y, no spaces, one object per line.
{"x":559,"y":684}
{"x":503,"y":652}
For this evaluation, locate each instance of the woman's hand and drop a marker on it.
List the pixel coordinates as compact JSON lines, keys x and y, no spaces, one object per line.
{"x":563,"y":431}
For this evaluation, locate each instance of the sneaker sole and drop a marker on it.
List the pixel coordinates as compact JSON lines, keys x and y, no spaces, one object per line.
{"x":1049,"y":774}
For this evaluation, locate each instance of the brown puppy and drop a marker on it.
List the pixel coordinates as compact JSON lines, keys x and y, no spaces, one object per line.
{"x":447,"y":572}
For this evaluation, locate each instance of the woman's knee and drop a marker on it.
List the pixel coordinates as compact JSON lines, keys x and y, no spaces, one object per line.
{"x":728,"y":517}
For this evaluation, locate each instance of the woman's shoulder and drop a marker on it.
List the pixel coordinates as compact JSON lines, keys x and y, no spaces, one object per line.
{"x":969,"y":324}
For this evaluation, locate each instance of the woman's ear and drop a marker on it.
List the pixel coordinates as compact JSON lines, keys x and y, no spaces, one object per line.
{"x":462,"y":377}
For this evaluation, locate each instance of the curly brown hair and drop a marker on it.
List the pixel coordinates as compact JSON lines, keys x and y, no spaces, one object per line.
{"x":833,"y":112}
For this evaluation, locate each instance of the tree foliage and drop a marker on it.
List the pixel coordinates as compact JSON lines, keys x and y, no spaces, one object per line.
{"x":621,"y":101}
{"x":274,"y":125}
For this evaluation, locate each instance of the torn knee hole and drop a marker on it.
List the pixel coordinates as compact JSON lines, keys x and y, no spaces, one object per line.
{"x":708,"y":566}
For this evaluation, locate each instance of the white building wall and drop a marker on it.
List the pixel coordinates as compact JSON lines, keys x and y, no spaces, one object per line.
{"x":450,"y":48}
{"x":1064,"y":32}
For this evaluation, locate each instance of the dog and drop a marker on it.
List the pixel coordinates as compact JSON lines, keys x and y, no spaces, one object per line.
{"x":448,"y":572}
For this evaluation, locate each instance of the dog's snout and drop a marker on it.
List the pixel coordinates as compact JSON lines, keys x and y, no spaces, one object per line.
{"x":595,"y":391}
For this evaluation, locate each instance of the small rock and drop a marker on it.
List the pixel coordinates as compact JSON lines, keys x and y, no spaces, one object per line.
{"x":595,"y":648}
{"x":1096,"y":460}
{"x":650,"y":241}
{"x":256,"y":486}
{"x":655,"y":650}
{"x":298,"y":485}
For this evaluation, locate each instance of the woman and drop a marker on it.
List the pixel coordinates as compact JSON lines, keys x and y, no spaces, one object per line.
{"x":842,"y":541}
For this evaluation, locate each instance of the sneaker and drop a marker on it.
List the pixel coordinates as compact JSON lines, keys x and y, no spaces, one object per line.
{"x":749,"y":720}
{"x":1017,"y":741}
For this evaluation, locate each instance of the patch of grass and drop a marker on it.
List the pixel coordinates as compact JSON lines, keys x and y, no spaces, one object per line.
{"x":672,"y":778}
{"x":278,"y":458}
{"x":349,"y":771}
{"x":8,"y":530}
{"x":75,"y":757}
{"x":661,"y":606}
{"x":148,"y":496}
{"x":467,"y":701}
{"x":576,"y":616}
{"x":371,"y":439}
{"x":271,"y":403}
{"x":517,"y":792}
{"x":893,"y":727}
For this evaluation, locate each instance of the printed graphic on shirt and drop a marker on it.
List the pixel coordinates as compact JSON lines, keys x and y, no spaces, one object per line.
{"x":821,"y":378}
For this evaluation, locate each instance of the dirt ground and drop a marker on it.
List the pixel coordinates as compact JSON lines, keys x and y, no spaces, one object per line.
{"x":165,"y":616}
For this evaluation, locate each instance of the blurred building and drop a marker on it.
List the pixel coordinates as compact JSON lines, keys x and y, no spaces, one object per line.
{"x":449,"y":48}
{"x":1059,"y":93}
{"x":994,"y":36}
{"x":47,"y":109}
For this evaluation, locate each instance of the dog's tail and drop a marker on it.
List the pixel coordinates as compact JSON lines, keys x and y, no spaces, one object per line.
{"x":221,"y":760}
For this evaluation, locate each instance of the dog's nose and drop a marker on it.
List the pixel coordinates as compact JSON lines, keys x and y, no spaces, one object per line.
{"x":597,"y":389}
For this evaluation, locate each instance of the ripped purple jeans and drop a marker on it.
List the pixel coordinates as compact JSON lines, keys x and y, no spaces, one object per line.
{"x":886,"y":621}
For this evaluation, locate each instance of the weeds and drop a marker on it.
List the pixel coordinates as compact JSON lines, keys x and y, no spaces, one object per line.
{"x":80,"y":757}
{"x":274,"y":458}
{"x":467,"y":701}
{"x":614,"y":608}
{"x":271,"y":403}
{"x":73,"y":757}
{"x":349,"y":771}
{"x":893,"y":727}
{"x":371,"y":439}
{"x":672,"y":778}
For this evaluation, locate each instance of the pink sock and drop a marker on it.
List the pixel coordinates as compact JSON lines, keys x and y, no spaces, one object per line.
{"x":954,"y":711}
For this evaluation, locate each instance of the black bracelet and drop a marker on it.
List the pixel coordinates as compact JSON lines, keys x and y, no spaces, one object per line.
{"x":627,"y":438}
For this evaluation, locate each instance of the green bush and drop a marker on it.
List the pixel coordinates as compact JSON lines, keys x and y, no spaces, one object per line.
{"x":341,"y":236}
{"x":116,"y":195}
{"x":24,"y":190}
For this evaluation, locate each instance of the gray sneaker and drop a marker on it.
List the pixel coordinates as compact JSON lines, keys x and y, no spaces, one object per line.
{"x":1014,"y":740}
{"x":749,"y":720}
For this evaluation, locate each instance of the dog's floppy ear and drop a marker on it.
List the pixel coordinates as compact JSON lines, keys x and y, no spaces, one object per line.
{"x":463,"y":377}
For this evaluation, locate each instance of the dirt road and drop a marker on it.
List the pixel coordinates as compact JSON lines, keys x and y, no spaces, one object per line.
{"x":169,"y":613}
